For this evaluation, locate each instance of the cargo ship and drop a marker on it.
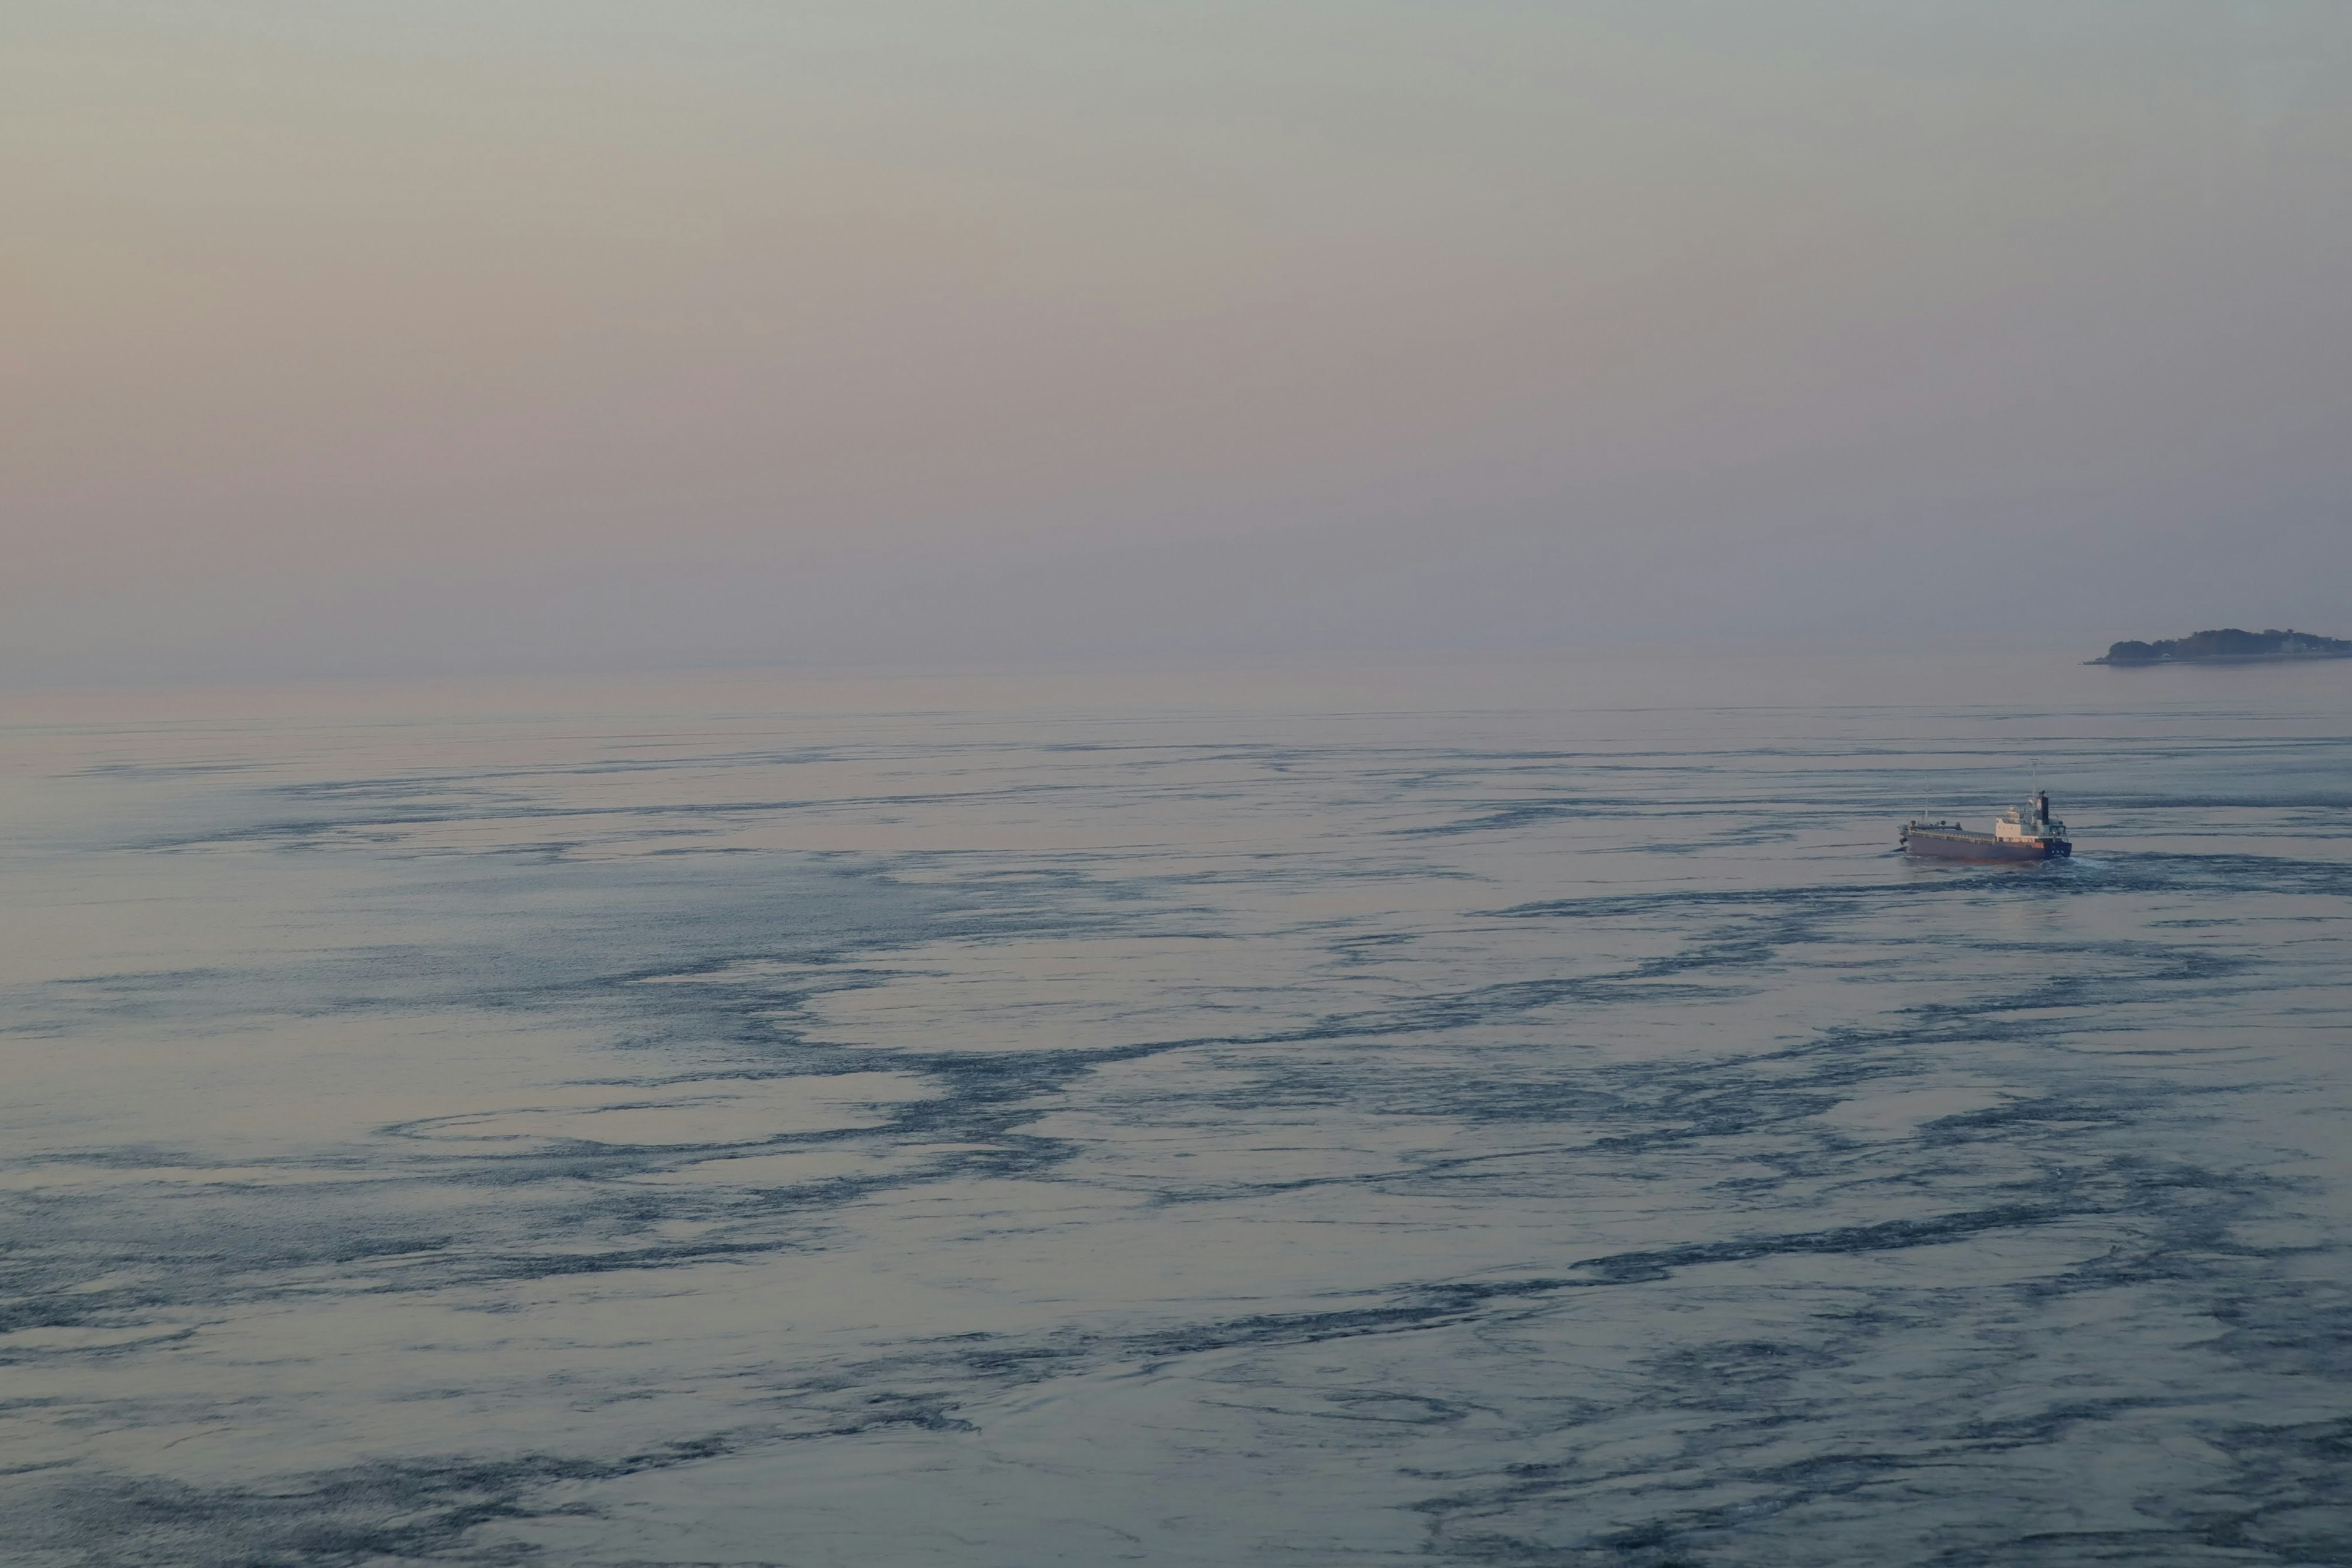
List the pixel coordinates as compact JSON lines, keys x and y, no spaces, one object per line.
{"x":2026,"y":832}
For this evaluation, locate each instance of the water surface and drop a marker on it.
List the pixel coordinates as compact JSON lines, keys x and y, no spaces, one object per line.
{"x":1373,"y":1115}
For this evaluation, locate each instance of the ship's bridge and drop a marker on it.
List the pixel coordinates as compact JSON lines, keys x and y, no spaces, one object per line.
{"x":2031,"y":820}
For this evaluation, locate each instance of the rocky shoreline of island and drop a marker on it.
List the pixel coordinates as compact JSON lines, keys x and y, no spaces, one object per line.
{"x":2228,"y":646}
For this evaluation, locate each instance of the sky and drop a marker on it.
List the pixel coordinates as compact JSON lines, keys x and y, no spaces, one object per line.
{"x":414,"y":336}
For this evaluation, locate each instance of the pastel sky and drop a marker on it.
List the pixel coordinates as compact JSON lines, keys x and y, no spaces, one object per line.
{"x":360,"y":335}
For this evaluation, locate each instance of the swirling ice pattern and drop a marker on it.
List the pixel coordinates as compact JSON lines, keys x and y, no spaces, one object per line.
{"x":746,"y":1137}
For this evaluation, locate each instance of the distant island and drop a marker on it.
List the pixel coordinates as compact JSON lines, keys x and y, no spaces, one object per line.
{"x":2228,"y":645}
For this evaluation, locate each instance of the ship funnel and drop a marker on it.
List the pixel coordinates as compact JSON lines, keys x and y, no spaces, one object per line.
{"x":2042,"y":806}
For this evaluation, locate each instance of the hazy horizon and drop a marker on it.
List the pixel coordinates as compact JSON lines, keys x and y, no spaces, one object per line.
{"x":359,"y":340}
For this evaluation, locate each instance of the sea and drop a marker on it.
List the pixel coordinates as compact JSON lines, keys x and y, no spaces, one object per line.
{"x":1509,"y":1111}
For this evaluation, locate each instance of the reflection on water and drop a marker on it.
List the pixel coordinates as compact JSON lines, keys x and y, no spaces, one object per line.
{"x":1512,"y":1115}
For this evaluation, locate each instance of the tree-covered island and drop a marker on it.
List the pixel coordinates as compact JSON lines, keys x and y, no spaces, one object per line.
{"x":2227,"y":646}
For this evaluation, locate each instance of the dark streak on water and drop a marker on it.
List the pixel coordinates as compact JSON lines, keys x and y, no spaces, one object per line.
{"x":724,"y":1127}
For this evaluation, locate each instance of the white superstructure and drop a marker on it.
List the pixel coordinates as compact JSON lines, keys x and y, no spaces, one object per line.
{"x":2031,"y":821}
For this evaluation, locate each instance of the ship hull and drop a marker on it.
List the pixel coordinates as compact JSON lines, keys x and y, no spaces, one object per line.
{"x":1945,"y":845}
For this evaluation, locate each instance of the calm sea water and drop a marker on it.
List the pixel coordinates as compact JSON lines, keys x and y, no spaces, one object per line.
{"x":1505,"y":1116}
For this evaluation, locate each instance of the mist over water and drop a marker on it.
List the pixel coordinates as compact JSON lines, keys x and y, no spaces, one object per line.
{"x":1498,"y":1115}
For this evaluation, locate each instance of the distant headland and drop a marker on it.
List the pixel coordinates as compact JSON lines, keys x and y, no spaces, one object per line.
{"x":2228,"y":646}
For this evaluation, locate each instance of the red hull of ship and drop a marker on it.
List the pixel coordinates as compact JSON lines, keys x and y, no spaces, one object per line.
{"x":1947,"y":846}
